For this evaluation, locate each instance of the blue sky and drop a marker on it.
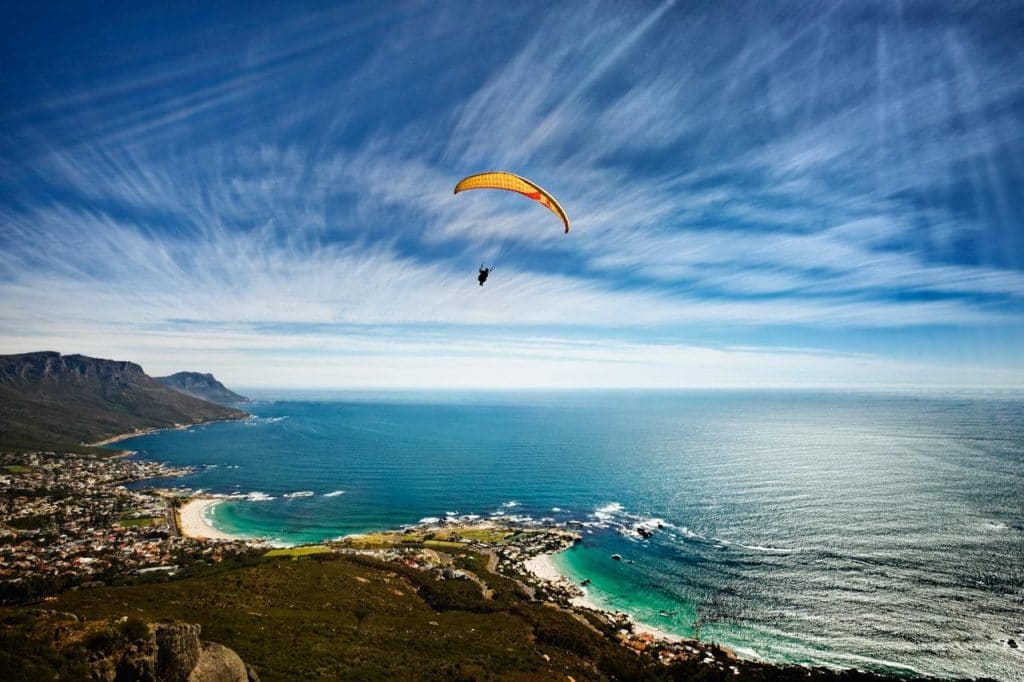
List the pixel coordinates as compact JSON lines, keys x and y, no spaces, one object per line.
{"x":762,"y":194}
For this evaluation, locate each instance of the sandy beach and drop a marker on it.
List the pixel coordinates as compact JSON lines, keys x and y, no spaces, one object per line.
{"x":124,"y":436}
{"x":192,"y":521}
{"x":544,"y":568}
{"x":146,"y":432}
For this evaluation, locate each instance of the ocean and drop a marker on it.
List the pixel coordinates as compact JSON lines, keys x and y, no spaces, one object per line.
{"x":877,"y":531}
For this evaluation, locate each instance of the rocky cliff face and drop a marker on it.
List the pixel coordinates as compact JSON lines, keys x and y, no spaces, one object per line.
{"x":203,"y":386}
{"x":34,"y":369}
{"x":49,"y":400}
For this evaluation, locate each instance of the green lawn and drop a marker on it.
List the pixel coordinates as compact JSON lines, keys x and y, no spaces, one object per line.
{"x":144,"y":521}
{"x":295,"y":552}
{"x":494,"y":535}
{"x":444,"y":544}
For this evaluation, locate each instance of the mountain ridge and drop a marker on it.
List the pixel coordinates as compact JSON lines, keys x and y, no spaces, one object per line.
{"x":203,"y":386}
{"x":49,"y":400}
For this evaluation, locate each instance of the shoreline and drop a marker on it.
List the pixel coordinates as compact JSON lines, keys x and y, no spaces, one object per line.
{"x":156,"y":429}
{"x":543,"y":567}
{"x":192,"y":523}
{"x":125,"y":436}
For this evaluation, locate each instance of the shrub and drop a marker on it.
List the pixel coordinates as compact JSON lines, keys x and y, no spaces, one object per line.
{"x":134,"y":628}
{"x":102,"y":640}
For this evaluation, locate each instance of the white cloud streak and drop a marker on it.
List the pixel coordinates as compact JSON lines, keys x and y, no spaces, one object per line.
{"x":717,"y":175}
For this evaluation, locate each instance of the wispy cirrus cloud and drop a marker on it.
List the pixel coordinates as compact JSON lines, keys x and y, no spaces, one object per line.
{"x":851,"y":167}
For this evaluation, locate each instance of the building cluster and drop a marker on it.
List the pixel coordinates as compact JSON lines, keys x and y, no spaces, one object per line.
{"x":68,"y":519}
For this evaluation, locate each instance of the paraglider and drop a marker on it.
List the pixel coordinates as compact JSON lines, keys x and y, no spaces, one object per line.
{"x":512,"y":183}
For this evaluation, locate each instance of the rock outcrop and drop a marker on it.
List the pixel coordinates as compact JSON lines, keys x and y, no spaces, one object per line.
{"x":218,"y":663}
{"x":174,"y":653}
{"x":177,"y":652}
{"x":138,"y":664}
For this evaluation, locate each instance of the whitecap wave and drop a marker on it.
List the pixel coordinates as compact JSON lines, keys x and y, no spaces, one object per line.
{"x":300,"y":493}
{"x":606,"y":513}
{"x":521,"y":518}
{"x":653,"y":523}
{"x":258,"y":497}
{"x":509,"y":505}
{"x":255,"y":421}
{"x":427,"y":520}
{"x":334,"y":493}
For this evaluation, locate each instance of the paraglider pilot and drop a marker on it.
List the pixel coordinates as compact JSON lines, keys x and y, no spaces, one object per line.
{"x":482,"y":277}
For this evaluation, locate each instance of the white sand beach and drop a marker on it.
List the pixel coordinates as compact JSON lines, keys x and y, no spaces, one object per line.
{"x":544,"y":568}
{"x":192,"y":520}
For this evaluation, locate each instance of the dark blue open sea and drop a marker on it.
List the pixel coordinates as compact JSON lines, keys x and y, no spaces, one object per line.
{"x":874,"y":531}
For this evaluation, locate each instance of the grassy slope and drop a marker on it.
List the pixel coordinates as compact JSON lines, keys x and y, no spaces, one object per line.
{"x":295,"y":618}
{"x":330,"y":616}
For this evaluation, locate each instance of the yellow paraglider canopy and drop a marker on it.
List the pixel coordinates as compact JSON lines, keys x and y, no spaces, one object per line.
{"x":513,"y":183}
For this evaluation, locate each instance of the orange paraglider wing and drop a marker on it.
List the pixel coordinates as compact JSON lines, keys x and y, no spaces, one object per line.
{"x":513,"y":183}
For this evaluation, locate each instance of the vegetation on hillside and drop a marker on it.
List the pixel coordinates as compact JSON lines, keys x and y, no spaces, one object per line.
{"x":354,"y":617}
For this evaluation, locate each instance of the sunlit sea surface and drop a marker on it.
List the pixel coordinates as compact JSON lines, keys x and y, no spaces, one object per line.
{"x":882,"y":532}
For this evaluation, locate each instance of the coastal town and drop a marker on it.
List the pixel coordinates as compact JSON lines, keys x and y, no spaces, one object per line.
{"x":69,"y":520}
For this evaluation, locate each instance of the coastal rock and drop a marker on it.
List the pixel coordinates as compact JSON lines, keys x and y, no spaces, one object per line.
{"x":217,"y":663}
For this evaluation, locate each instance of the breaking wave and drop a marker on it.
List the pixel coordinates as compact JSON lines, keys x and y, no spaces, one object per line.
{"x":255,"y":421}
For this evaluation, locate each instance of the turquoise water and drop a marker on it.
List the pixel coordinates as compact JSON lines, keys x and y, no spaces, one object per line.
{"x":881,"y":532}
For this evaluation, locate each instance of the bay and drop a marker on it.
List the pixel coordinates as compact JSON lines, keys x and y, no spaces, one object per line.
{"x":879,"y":531}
